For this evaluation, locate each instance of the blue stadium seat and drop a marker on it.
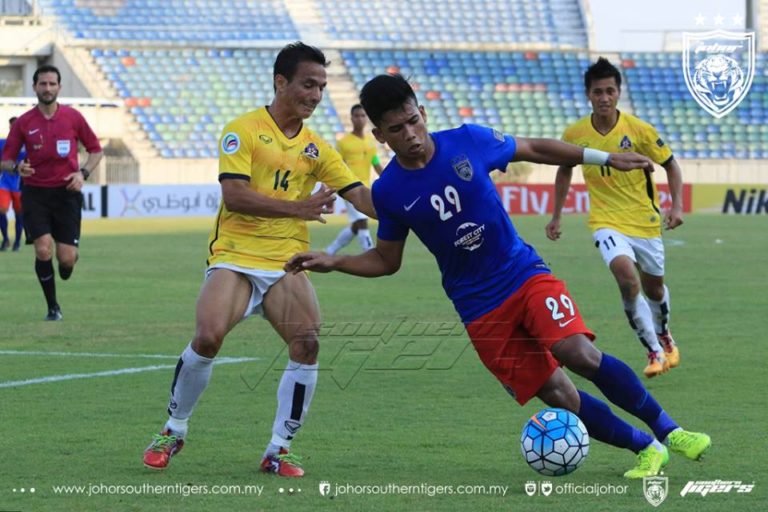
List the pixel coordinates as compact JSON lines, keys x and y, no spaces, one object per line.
{"x":659,"y":95}
{"x":184,"y":117}
{"x":559,"y":22}
{"x":510,"y":90}
{"x":164,"y":20}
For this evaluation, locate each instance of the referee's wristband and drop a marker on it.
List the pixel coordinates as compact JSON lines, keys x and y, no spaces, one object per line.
{"x":595,"y":157}
{"x":86,"y":173}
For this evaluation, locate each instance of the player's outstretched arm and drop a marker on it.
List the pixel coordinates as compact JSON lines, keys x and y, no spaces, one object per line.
{"x":240,"y":197}
{"x":629,"y":161}
{"x":562,"y":184}
{"x":361,"y":198}
{"x":382,"y":260}
{"x":555,"y":152}
{"x":674,"y":217}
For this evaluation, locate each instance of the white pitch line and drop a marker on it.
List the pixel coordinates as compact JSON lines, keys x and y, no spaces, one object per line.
{"x":110,"y":373}
{"x":85,"y":354}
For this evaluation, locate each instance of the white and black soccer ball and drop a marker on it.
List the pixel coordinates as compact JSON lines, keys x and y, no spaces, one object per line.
{"x":554,"y":442}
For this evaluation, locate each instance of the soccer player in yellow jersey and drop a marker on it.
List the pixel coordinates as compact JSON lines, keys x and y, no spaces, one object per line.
{"x":358,"y":150}
{"x":269,"y":162}
{"x":624,"y":211}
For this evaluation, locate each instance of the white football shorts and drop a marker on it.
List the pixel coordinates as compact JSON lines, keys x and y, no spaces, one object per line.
{"x":261,"y":282}
{"x":647,"y":253}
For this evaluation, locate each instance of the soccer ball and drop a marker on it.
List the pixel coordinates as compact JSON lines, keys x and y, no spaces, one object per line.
{"x":554,"y":442}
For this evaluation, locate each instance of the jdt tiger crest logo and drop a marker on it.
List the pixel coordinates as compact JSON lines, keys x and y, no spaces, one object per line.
{"x":718,"y":68}
{"x":462,"y":167}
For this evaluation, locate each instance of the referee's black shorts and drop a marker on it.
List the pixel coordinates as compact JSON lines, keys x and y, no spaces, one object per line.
{"x":55,"y":211}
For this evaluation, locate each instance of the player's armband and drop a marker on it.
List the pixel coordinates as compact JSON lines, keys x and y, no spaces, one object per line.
{"x":375,"y":161}
{"x":595,"y":157}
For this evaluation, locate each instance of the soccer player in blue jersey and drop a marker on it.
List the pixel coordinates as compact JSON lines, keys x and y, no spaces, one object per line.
{"x":10,"y":194}
{"x":522,"y":321}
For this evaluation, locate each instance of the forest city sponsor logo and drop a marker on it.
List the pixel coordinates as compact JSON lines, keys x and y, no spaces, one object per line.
{"x":718,"y":67}
{"x":470,"y":236}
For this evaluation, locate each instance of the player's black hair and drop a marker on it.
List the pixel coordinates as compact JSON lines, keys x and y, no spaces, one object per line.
{"x":12,"y":120}
{"x":599,"y":70}
{"x":289,"y":58}
{"x":355,"y":107}
{"x":384,"y":93}
{"x":46,"y":69}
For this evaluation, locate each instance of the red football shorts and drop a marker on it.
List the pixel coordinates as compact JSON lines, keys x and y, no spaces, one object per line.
{"x":7,"y":197}
{"x":514,"y":340}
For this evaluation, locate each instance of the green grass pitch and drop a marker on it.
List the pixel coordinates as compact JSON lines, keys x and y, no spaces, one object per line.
{"x":402,"y":398}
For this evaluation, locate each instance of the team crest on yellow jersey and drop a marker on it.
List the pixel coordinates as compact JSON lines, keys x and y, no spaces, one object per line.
{"x":625,"y":143}
{"x":311,"y":151}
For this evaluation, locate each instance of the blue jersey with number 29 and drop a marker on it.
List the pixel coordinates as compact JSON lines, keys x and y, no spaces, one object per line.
{"x":453,"y":207}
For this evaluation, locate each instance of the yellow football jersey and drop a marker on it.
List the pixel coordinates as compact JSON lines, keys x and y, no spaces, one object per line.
{"x":359,"y":154}
{"x":625,"y":201}
{"x":253,"y":148}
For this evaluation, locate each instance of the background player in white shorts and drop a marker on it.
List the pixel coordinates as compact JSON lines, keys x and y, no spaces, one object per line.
{"x":358,"y":149}
{"x":624,"y":214}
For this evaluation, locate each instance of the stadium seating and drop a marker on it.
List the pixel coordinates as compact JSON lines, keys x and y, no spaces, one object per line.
{"x":658,"y":93}
{"x":558,"y":23}
{"x":525,"y":93}
{"x":182,"y":80}
{"x":183,"y":97}
{"x":173,"y":21}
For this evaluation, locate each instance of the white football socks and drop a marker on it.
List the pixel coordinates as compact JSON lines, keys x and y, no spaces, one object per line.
{"x":364,"y":237}
{"x":190,"y":380}
{"x":640,"y":319}
{"x":342,"y":240}
{"x":178,"y":427}
{"x":660,"y":312}
{"x":294,"y":394}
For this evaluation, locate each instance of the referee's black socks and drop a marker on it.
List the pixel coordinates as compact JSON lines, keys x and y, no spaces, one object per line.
{"x":44,"y":271}
{"x":65,"y":272}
